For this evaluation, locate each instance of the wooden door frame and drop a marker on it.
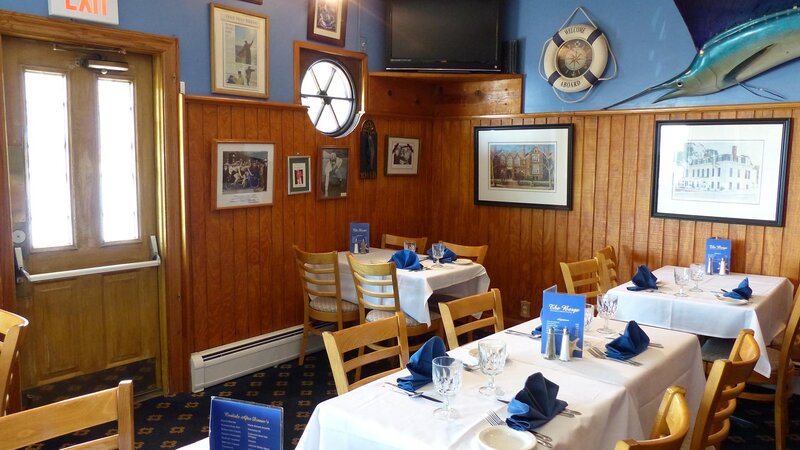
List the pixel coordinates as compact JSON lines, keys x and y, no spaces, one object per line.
{"x":168,"y":125}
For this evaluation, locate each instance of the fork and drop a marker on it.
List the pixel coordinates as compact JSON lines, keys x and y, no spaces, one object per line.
{"x":542,"y":439}
{"x":597,"y":353}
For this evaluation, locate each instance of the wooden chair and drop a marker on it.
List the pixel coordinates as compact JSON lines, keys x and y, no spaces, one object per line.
{"x":340,"y":342}
{"x":322,"y":297}
{"x":476,"y":253}
{"x":375,"y":285}
{"x":68,"y":416}
{"x":583,"y":277}
{"x":725,"y":382}
{"x":671,"y":426}
{"x":465,"y":308}
{"x":781,"y":377}
{"x":607,"y":260}
{"x":12,"y":327}
{"x":396,"y":242}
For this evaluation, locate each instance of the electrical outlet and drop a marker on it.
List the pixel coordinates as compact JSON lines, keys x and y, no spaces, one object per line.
{"x":363,"y":44}
{"x":525,"y":309}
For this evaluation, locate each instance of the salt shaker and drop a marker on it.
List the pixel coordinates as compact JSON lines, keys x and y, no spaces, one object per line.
{"x":565,"y":351}
{"x":710,"y":266}
{"x":550,"y":347}
{"x":723,"y":267}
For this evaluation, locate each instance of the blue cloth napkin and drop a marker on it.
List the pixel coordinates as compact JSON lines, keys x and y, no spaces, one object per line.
{"x":535,"y":404}
{"x":644,"y":279}
{"x":421,"y":365}
{"x":537,"y":332}
{"x":449,"y":256}
{"x":632,"y":342}
{"x":743,"y":292}
{"x":406,"y":259}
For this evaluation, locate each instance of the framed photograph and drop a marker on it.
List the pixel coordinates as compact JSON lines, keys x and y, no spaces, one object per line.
{"x":528,"y":166}
{"x":402,"y":156}
{"x":333,"y":172}
{"x":239,"y":52}
{"x":327,"y":20}
{"x":243,"y":173}
{"x":299,"y":174}
{"x":730,"y":171}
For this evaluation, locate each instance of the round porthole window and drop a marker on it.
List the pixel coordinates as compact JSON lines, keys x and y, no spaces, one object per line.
{"x":328,"y":91}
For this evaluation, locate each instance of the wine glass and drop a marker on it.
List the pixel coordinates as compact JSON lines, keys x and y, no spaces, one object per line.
{"x":492,"y":359}
{"x":681,"y":279}
{"x":447,"y":373}
{"x":437,"y":252}
{"x":606,"y":308}
{"x":410,"y":245}
{"x":588,"y":315}
{"x":697,"y":272}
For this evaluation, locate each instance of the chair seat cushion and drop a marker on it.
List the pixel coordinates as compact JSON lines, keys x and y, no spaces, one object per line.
{"x":718,"y":348}
{"x":377,"y":314}
{"x":328,"y":304}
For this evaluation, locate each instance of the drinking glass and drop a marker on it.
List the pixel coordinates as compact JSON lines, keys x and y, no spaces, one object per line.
{"x":588,"y":316}
{"x":447,"y":373}
{"x":606,"y":308}
{"x":681,"y":279}
{"x":410,"y":245}
{"x":697,"y":272}
{"x":437,"y":252}
{"x":492,"y":359}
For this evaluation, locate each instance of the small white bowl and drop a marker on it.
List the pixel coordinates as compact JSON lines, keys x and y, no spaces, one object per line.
{"x":505,"y":438}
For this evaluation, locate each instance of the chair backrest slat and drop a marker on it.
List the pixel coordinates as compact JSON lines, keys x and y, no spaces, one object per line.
{"x":397,"y":242}
{"x":468,"y":306}
{"x":582,"y":277}
{"x":476,"y":253}
{"x":671,"y":425}
{"x":607,"y":261}
{"x":12,"y":328}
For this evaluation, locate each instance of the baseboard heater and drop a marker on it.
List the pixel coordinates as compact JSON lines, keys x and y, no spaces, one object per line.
{"x":226,"y":362}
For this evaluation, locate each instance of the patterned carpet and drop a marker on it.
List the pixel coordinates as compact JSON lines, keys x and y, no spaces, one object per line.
{"x":176,"y":420}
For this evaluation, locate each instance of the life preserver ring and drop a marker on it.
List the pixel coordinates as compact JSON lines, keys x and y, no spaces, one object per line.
{"x":580,"y":35}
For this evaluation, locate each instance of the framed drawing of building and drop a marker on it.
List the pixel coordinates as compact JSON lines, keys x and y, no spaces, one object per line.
{"x":528,"y":166}
{"x":730,"y":171}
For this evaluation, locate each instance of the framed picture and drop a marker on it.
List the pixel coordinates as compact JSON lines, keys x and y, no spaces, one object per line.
{"x":299,"y":174}
{"x":243,"y":173}
{"x":721,"y":170}
{"x":528,"y":166}
{"x":333,"y":172}
{"x":327,"y":20}
{"x":402,"y":156}
{"x":239,"y":52}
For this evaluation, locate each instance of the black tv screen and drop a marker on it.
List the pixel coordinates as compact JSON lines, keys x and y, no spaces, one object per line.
{"x":446,"y":35}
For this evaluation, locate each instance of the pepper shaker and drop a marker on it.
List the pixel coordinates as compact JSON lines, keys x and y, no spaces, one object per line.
{"x":565,"y":351}
{"x":550,"y":347}
{"x":723,"y":267}
{"x":710,"y":266}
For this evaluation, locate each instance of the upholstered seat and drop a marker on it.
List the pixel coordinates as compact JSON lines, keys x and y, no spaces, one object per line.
{"x":328,"y":304}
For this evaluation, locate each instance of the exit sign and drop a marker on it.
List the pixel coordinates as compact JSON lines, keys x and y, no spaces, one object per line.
{"x":103,"y":11}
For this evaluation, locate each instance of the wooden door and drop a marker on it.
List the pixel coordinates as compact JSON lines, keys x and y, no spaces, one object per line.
{"x":82,"y":175}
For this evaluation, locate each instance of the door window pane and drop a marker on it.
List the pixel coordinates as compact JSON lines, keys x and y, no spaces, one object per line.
{"x":46,"y":138}
{"x":118,"y":185}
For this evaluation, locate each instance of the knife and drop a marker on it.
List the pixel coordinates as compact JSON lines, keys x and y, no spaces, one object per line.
{"x":411,"y":394}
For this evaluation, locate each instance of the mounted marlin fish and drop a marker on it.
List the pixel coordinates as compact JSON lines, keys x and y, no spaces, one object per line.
{"x":730,"y":51}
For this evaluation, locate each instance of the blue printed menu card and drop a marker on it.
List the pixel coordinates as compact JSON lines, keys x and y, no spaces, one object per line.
{"x":237,"y":424}
{"x":359,"y":237}
{"x":716,"y":251}
{"x":563,"y":311}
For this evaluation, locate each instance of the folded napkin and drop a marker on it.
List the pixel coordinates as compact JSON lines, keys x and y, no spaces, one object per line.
{"x":448,"y":257}
{"x":743,"y":292}
{"x":535,"y":404}
{"x":537,"y":332}
{"x":644,"y":279}
{"x":421,"y":365}
{"x":632,"y":342}
{"x":406,"y":259}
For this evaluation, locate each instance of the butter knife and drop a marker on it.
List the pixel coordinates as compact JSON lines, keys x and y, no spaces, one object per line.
{"x":411,"y":394}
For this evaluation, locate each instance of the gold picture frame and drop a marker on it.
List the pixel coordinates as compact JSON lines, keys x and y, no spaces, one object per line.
{"x":239,"y":52}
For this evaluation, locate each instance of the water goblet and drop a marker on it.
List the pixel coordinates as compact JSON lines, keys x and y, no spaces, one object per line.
{"x":606,"y":308}
{"x":697,"y":272}
{"x":681,"y":279}
{"x":588,"y":315}
{"x":447,"y":374}
{"x":437,"y":252}
{"x":492,"y":359}
{"x":410,"y":245}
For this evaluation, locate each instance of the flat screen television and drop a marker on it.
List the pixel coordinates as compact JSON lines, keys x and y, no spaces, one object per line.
{"x":443,"y":35}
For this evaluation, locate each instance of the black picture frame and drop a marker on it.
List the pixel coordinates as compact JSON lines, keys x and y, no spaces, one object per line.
{"x":726,"y":170}
{"x":527,"y":166}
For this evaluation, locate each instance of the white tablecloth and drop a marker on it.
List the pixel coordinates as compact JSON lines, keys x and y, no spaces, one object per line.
{"x":416,"y":287}
{"x":703,"y":313}
{"x":617,"y":401}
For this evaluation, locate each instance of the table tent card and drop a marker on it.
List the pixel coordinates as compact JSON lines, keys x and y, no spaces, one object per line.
{"x":716,"y":251}
{"x":563,"y":311}
{"x":237,"y":424}
{"x":359,"y":237}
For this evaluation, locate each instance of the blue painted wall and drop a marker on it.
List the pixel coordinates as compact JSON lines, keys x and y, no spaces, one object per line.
{"x":188,"y":20}
{"x":648,"y":37}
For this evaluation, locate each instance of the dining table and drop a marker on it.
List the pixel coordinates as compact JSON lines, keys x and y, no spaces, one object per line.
{"x":460,"y":279}
{"x":710,"y":313}
{"x":615,"y":400}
